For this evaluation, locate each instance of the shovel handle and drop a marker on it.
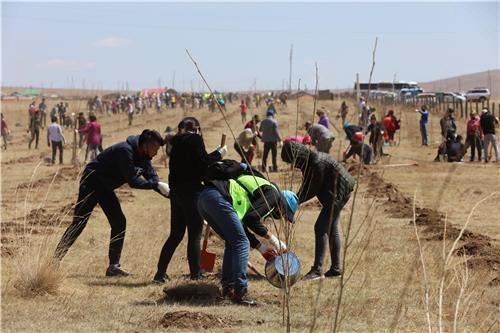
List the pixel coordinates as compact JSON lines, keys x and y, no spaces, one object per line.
{"x":205,"y":238}
{"x":223,"y":140}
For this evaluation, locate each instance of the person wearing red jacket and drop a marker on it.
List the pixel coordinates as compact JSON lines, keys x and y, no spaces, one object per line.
{"x":93,"y":133}
{"x":391,"y":125}
{"x":473,"y":138}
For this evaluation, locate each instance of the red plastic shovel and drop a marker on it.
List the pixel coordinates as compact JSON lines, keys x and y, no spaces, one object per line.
{"x":207,"y":258}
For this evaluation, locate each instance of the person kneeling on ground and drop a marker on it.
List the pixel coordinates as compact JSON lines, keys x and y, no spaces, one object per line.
{"x":357,"y":147}
{"x":331,"y":183}
{"x":124,"y":162}
{"x":455,"y":149}
{"x":233,"y":206}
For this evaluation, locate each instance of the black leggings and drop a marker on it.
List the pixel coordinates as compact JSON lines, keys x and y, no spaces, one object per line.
{"x":91,"y":194}
{"x":183,"y":214}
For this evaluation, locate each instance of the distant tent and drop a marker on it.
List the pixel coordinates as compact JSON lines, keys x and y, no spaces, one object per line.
{"x":152,"y":91}
{"x":30,"y":92}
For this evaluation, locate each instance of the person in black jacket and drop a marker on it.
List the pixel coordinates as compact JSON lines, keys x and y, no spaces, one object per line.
{"x":331,"y":183}
{"x":188,"y":165}
{"x":487,"y":123}
{"x":125,"y":162}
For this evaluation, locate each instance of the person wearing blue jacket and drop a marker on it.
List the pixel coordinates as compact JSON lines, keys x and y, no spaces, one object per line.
{"x":124,"y":162}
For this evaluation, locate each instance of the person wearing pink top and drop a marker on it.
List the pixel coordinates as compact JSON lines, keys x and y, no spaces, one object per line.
{"x":473,"y":138}
{"x":244,"y":109}
{"x":93,"y":133}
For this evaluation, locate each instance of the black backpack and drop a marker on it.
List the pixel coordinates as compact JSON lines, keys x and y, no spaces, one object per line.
{"x":229,"y":169}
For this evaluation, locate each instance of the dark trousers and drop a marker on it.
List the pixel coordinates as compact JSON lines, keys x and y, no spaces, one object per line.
{"x":183,"y":214}
{"x":475,"y":143}
{"x":324,"y":236}
{"x":90,"y":194}
{"x":57,"y":145}
{"x":35,"y":134}
{"x":269,"y":146}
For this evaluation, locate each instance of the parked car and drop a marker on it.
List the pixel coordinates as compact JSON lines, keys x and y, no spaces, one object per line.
{"x":452,"y":97}
{"x":478,"y":94}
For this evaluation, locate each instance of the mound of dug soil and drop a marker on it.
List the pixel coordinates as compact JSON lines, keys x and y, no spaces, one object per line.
{"x":477,"y":247}
{"x":196,"y":320}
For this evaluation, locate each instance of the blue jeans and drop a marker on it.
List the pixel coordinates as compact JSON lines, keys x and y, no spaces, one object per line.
{"x":423,"y":131}
{"x":57,"y":145}
{"x":221,"y":216}
{"x":475,"y":144}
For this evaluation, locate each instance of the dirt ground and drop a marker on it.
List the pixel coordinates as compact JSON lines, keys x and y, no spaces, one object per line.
{"x":385,"y":283}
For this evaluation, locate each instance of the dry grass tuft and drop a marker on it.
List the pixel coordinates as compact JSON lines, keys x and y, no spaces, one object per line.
{"x":38,"y":277}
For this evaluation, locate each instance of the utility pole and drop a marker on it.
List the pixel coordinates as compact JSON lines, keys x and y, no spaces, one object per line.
{"x":290,"y":74}
{"x":173,"y":81}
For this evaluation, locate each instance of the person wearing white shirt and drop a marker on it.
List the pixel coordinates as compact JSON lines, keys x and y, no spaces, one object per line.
{"x":56,"y":138}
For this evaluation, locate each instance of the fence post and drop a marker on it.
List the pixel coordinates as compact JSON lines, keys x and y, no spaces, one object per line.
{"x":466,"y":111}
{"x":462,"y":110}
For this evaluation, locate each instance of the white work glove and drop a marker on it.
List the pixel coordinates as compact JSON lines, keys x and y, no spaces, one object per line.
{"x":277,"y":244}
{"x":164,"y":189}
{"x":222,"y":151}
{"x":267,"y":251}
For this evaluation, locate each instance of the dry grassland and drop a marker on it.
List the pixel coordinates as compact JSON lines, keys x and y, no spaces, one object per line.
{"x":386,"y":286}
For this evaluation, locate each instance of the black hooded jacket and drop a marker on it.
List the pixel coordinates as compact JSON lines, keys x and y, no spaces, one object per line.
{"x":189,"y":162}
{"x":120,"y":164}
{"x":320,"y":172}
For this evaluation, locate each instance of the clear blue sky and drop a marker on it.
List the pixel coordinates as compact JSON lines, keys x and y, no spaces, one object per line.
{"x":104,"y":45}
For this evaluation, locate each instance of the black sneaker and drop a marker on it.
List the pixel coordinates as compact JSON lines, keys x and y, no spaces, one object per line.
{"x":243,"y":300}
{"x":333,"y":272}
{"x":314,"y":274}
{"x":115,"y":270}
{"x":161,"y":278}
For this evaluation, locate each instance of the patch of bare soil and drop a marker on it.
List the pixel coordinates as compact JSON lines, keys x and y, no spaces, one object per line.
{"x":42,"y":217}
{"x":64,"y":174}
{"x":10,"y":245}
{"x":196,"y":320}
{"x":193,"y":293}
{"x":25,"y":159}
{"x":482,"y":253}
{"x":478,"y":247}
{"x":495,"y":282}
{"x":354,"y":169}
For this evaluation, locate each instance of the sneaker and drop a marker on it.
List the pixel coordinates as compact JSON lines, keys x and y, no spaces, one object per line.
{"x":243,"y":300}
{"x":314,"y":274}
{"x":115,"y":270}
{"x":160,"y":278}
{"x":333,"y":272}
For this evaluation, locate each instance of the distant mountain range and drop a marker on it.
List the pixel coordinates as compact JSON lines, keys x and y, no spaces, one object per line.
{"x":489,"y":79}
